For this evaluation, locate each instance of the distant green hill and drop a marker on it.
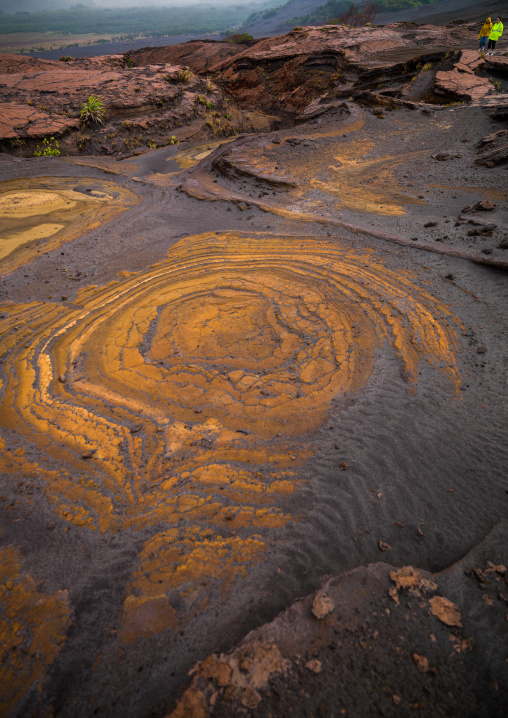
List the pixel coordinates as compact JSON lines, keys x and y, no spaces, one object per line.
{"x":133,"y":21}
{"x":331,"y":9}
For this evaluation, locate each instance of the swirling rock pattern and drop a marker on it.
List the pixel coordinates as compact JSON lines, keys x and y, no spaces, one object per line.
{"x":175,"y":396}
{"x":40,"y":214}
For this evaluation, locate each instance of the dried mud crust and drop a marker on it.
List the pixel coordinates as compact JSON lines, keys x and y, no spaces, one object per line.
{"x":333,"y":172}
{"x":378,"y":639}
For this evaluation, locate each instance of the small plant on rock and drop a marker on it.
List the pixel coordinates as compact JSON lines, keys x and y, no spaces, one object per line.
{"x":50,"y":148}
{"x":427,"y":66}
{"x":185,"y":74}
{"x":239,"y":37}
{"x":209,"y":86}
{"x":66,"y":58}
{"x":93,"y":110}
{"x":173,"y":141}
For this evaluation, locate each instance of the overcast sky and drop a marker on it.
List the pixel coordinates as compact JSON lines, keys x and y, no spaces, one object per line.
{"x":12,"y":6}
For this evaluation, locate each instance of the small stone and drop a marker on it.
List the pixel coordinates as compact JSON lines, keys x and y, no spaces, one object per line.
{"x":430,"y":224}
{"x":343,"y":466}
{"x":444,"y":609}
{"x":61,"y":378}
{"x":421,"y":663}
{"x":481,"y":350}
{"x":250,"y":698}
{"x":136,"y":428}
{"x":314,"y":665}
{"x":51,"y":526}
{"x":384,"y":546}
{"x":64,"y":297}
{"x":484,"y":206}
{"x":322,"y":606}
{"x":88,"y":454}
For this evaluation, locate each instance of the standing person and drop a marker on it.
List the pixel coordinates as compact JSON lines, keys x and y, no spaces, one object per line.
{"x":484,"y":34}
{"x":494,"y":36}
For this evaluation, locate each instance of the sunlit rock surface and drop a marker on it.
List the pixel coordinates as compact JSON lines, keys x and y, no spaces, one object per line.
{"x":39,"y":215}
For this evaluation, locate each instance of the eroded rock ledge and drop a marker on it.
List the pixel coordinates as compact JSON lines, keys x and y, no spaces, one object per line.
{"x":204,"y":90}
{"x":376,"y":640}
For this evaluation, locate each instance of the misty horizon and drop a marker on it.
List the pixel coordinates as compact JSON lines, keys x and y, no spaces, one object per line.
{"x":6,"y":6}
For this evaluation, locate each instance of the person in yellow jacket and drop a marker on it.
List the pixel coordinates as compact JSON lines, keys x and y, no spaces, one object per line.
{"x":494,"y":36}
{"x":484,"y":34}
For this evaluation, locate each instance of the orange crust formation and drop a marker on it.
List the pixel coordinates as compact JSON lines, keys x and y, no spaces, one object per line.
{"x":180,"y":395}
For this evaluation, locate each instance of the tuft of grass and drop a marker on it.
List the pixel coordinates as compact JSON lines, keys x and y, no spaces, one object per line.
{"x":185,"y":75}
{"x":93,"y":110}
{"x":209,"y":86}
{"x":426,"y":67}
{"x":240,"y":37}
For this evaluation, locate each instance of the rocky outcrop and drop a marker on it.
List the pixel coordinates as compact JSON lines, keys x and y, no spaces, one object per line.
{"x":493,"y":149}
{"x":378,"y":639}
{"x":497,"y":63}
{"x":150,"y":94}
{"x":461,"y":83}
{"x":14,"y":64}
{"x":144,"y":106}
{"x":199,"y":55}
{"x":286,"y":72}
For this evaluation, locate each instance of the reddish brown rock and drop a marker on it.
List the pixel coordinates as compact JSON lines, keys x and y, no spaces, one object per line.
{"x":20,"y":63}
{"x":369,"y":646}
{"x":461,"y":83}
{"x":144,"y":106}
{"x":199,"y":55}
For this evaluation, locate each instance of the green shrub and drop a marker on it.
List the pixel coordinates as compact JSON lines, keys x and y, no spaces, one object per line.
{"x":66,"y":58}
{"x":50,"y":148}
{"x":93,"y":110}
{"x":240,"y":37}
